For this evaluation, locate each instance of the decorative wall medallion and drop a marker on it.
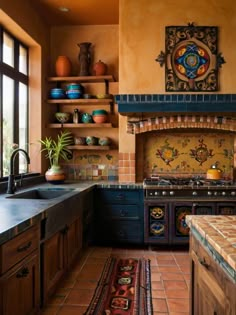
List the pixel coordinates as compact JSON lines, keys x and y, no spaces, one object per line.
{"x":167,"y":153}
{"x":201,"y":153}
{"x":191,"y":58}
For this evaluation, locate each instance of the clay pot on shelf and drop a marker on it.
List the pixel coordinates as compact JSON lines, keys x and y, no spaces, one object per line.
{"x":63,"y":66}
{"x":100,"y":68}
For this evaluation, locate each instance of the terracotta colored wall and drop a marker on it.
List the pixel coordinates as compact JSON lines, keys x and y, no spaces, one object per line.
{"x":104,"y":39}
{"x":142,"y":37}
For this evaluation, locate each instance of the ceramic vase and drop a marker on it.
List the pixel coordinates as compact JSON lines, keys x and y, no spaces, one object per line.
{"x":84,"y":58}
{"x":100,"y":68}
{"x":55,"y":175}
{"x":63,"y":66}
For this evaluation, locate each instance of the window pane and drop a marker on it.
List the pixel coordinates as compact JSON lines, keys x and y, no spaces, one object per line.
{"x":23,"y":126}
{"x":8,"y":50}
{"x":23,"y":60}
{"x":8,"y":123}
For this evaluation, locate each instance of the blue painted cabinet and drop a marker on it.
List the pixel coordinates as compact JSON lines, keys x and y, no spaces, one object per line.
{"x":119,"y":216}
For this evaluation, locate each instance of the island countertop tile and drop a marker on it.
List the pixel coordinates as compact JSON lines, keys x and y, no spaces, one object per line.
{"x":218,"y":231}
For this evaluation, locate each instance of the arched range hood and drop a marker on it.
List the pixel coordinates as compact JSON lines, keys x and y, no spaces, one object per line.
{"x":147,"y":112}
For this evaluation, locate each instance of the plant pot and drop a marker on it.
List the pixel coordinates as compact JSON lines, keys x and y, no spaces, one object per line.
{"x":55,"y":175}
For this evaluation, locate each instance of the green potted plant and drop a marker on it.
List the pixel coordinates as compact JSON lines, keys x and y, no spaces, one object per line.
{"x":55,"y":151}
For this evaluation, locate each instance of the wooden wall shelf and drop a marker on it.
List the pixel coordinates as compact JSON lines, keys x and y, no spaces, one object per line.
{"x":102,"y":78}
{"x":83,"y":125}
{"x":89,"y":147}
{"x":91,"y":101}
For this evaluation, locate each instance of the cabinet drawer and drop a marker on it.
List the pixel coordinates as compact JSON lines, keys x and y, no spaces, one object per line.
{"x":121,"y":231}
{"x":118,"y":211}
{"x":18,"y":248}
{"x":119,"y":196}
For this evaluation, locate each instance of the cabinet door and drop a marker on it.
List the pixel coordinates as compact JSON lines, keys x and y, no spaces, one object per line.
{"x":73,"y":241}
{"x":19,"y":288}
{"x":53,"y":263}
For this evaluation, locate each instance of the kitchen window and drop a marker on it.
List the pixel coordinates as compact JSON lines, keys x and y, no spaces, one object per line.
{"x":14,"y":80}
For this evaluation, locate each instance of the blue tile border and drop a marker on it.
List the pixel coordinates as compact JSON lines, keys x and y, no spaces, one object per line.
{"x":176,"y":102}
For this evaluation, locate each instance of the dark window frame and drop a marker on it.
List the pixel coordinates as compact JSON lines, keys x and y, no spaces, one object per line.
{"x":18,"y":77}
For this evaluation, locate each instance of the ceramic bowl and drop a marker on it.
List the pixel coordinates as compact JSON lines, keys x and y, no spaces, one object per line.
{"x":99,"y":112}
{"x":57,"y":93}
{"x":86,"y":118}
{"x":62,"y":117}
{"x":74,"y":94}
{"x":104,"y":141}
{"x":80,"y":140}
{"x":90,"y":140}
{"x":99,"y":119}
{"x":74,"y":86}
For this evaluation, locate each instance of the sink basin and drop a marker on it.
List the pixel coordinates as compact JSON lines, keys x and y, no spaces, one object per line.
{"x":41,"y":194}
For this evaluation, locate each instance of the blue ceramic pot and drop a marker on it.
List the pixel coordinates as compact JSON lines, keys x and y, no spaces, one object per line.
{"x":86,"y":118}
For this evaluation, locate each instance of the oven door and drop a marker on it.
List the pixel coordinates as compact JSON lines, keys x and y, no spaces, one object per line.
{"x":228,"y":208}
{"x":179,"y":231}
{"x":156,"y":222}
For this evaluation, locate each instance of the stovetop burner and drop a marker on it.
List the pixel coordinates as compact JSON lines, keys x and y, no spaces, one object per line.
{"x":185,"y":181}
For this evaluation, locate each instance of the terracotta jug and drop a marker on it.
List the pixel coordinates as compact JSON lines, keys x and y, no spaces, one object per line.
{"x":100,"y":68}
{"x":63,"y":66}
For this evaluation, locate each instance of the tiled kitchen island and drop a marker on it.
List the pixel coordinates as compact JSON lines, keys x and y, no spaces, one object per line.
{"x":213,"y":264}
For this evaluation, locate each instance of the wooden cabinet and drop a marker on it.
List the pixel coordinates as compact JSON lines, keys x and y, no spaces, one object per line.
{"x":119,"y":216}
{"x":58,"y":253}
{"x":212,"y":290}
{"x":19,"y":280}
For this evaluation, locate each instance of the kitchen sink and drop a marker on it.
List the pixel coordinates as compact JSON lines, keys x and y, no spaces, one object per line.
{"x":40,"y":193}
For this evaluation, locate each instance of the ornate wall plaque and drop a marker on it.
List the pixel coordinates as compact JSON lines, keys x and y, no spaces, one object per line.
{"x":191,"y":58}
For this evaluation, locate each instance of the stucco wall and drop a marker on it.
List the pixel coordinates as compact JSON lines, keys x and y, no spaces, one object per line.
{"x":142,"y":37}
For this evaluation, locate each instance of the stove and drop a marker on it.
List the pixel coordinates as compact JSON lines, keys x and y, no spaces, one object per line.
{"x":167,"y":200}
{"x":196,"y":187}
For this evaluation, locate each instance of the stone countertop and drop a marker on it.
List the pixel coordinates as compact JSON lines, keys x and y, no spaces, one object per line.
{"x":218,"y":235}
{"x":16,"y":215}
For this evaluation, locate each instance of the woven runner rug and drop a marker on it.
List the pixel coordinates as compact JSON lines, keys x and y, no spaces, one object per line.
{"x":123,"y":289}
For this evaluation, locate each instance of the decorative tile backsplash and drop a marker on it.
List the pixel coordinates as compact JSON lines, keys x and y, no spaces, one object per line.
{"x":187,"y":153}
{"x":92,"y":166}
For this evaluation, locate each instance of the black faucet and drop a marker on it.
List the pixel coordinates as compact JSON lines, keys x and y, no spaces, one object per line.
{"x":11,"y":188}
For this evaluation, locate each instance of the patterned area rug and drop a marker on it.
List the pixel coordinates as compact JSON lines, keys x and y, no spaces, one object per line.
{"x":123,"y":289}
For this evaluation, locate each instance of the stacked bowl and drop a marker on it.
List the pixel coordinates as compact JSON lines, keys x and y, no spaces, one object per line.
{"x":57,"y":93}
{"x":74,"y":90}
{"x":99,"y":116}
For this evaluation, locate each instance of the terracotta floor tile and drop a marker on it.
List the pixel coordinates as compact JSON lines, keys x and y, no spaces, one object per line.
{"x":166,"y":262}
{"x":174,"y":285}
{"x":173,"y":294}
{"x":72,"y":310}
{"x":169,"y":274}
{"x":157,"y":285}
{"x":169,"y":269}
{"x":159,"y":305}
{"x":155,"y":276}
{"x":164,"y":257}
{"x":172,"y":276}
{"x":50,"y":310}
{"x":86,"y":284}
{"x":80,"y":297}
{"x":158,"y":294}
{"x":178,"y":305}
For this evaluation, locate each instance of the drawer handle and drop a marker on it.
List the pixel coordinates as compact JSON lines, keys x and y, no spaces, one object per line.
{"x":123,"y":213}
{"x":23,"y":273}
{"x":204,"y":263}
{"x":25,"y":247}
